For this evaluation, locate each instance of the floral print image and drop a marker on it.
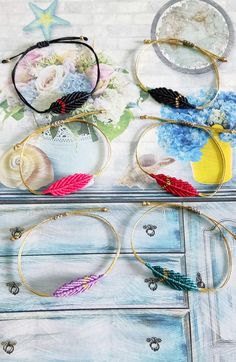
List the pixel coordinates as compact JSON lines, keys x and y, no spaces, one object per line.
{"x":196,"y":146}
{"x":47,"y":74}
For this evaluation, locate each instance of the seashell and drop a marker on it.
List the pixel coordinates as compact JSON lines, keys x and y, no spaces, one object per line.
{"x":135,"y":177}
{"x":37,"y":168}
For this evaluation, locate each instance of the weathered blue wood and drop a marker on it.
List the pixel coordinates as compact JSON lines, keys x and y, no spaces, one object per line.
{"x":99,"y":336}
{"x":211,"y":315}
{"x":86,"y":235}
{"x":128,"y":285}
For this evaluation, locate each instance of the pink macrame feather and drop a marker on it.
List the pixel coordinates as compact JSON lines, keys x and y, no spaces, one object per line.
{"x":69,"y":184}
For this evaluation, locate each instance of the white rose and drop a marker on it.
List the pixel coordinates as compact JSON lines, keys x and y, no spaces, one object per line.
{"x":50,"y":78}
{"x":114,"y":104}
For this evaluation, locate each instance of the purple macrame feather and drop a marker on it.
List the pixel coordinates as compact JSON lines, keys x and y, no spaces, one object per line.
{"x":77,"y":286}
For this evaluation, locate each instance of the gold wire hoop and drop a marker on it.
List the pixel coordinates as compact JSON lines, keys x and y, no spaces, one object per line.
{"x":149,"y":128}
{"x":172,"y":41}
{"x":55,"y":217}
{"x":22,"y":144}
{"x":189,"y":124}
{"x":216,"y":223}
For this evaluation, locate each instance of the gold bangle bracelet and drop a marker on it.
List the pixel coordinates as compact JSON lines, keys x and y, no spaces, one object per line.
{"x":189,"y":124}
{"x":174,"y":279}
{"x":78,"y":285}
{"x":168,"y":183}
{"x":168,"y":96}
{"x":70,"y":183}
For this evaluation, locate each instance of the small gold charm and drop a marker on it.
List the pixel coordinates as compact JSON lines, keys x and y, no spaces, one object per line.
{"x":58,"y":216}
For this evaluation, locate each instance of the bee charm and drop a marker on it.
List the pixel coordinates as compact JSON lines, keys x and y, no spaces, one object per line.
{"x":154,"y":343}
{"x":8,"y":346}
{"x":150,"y":229}
{"x":152,"y":283}
{"x":13,"y":287}
{"x":16,"y":233}
{"x":199,"y":281}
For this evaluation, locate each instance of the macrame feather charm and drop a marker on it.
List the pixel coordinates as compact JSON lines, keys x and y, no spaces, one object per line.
{"x":170,"y":98}
{"x":69,"y":102}
{"x":69,"y":184}
{"x":175,"y":186}
{"x":173,"y":279}
{"x":77,"y":286}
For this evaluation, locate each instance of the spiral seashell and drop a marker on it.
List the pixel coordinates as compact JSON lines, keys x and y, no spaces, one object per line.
{"x":37,"y":168}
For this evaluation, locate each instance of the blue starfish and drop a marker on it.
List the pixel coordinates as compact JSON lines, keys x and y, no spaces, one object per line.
{"x":45,"y":19}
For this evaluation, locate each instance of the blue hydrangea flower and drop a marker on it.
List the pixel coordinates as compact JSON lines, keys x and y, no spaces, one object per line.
{"x":185,"y":143}
{"x":29,"y":91}
{"x":75,"y":82}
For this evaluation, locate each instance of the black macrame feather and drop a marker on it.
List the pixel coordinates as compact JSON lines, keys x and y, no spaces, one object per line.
{"x":173,"y":279}
{"x":170,"y":98}
{"x":69,"y":102}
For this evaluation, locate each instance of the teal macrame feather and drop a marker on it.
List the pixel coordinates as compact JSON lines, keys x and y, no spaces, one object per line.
{"x":173,"y":279}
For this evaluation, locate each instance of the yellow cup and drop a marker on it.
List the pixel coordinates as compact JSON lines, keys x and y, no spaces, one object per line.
{"x":209,"y":169}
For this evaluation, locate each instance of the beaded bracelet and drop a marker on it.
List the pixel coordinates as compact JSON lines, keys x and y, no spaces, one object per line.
{"x":78,"y":285}
{"x":70,"y":101}
{"x":168,"y":96}
{"x":174,"y":279}
{"x":170,"y":184}
{"x":68,"y":184}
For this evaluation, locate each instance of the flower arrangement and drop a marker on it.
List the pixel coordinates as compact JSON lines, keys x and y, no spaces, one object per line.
{"x":43,"y":76}
{"x":185,"y":143}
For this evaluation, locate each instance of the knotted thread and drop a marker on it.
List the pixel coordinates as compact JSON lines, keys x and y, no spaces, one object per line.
{"x":43,"y":44}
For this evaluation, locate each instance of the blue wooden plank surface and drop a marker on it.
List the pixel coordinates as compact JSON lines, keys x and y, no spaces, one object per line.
{"x":91,"y":336}
{"x":127,"y":286}
{"x":213,"y":332}
{"x":87,"y":235}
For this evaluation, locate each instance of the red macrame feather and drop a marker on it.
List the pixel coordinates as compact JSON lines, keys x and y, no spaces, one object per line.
{"x":175,"y":186}
{"x":69,"y":184}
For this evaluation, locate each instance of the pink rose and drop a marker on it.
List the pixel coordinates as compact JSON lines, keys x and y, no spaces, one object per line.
{"x":23,"y":71}
{"x":106,"y":72}
{"x":30,"y":59}
{"x":33,"y":56}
